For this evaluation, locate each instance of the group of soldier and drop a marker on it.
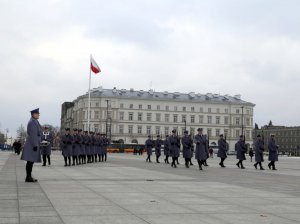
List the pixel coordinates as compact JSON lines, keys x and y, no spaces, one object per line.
{"x":172,"y":145}
{"x":83,"y":147}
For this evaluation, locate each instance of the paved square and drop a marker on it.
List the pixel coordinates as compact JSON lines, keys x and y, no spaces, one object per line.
{"x":126,"y":189}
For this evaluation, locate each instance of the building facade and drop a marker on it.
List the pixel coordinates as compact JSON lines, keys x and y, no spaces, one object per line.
{"x":131,"y":116}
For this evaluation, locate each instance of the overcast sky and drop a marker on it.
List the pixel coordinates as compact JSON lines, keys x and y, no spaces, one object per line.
{"x":247,"y":47}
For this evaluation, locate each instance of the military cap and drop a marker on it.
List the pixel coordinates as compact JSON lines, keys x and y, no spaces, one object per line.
{"x":200,"y":129}
{"x":174,"y":131}
{"x":185,"y":132}
{"x":158,"y":136}
{"x":67,"y":129}
{"x":46,"y":127}
{"x":79,"y":130}
{"x":258,"y":136}
{"x":221,"y":135}
{"x":75,"y":129}
{"x":35,"y":111}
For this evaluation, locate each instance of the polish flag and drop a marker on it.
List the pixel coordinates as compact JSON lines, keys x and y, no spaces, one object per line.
{"x":94,"y":67}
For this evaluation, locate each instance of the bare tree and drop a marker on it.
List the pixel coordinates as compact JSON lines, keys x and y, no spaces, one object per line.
{"x":21,"y":134}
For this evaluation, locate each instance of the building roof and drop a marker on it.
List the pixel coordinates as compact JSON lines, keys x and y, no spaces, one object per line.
{"x":169,"y":96}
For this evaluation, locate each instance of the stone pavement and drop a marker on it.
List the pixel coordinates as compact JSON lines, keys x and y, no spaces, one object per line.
{"x":126,"y":189}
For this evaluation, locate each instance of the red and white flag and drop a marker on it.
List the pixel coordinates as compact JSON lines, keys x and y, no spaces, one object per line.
{"x":94,"y":67}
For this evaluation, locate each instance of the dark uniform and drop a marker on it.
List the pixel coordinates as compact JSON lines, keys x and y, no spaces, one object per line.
{"x":166,"y":149}
{"x":17,"y":146}
{"x":149,"y":145}
{"x":86,"y":146}
{"x":82,"y":147}
{"x":187,"y":144}
{"x":106,"y":143}
{"x":47,"y":139}
{"x":67,"y":141}
{"x":31,"y":152}
{"x":76,"y":147}
{"x":273,"y":154}
{"x":157,"y":143}
{"x":222,"y":152}
{"x":174,"y":146}
{"x":259,"y":152}
{"x":201,"y":148}
{"x":241,"y":150}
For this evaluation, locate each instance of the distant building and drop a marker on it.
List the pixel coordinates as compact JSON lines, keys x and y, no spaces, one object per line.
{"x":130,"y":115}
{"x":287,"y":138}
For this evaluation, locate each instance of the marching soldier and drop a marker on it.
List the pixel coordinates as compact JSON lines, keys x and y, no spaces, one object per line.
{"x":187,"y":143}
{"x":273,"y":154}
{"x":174,"y":145}
{"x":166,"y":149}
{"x":31,"y":152}
{"x":67,"y":140}
{"x":46,"y":147}
{"x":222,"y":152}
{"x":149,"y":146}
{"x":158,"y":143}
{"x":201,"y":147}
{"x":241,"y":151}
{"x":76,"y":147}
{"x":259,"y":152}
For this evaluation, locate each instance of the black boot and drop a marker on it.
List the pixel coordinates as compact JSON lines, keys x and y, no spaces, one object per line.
{"x":44,"y":160}
{"x":69,"y":158}
{"x":65,"y":158}
{"x":255,"y":165}
{"x":49,"y":160}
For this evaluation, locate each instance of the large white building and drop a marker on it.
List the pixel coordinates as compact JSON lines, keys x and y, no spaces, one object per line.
{"x":132,"y":115}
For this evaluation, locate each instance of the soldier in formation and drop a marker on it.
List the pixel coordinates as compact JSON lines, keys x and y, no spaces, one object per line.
{"x":241,"y":150}
{"x":166,"y":149}
{"x":187,"y":152}
{"x":174,"y":146}
{"x":273,"y":153}
{"x":259,"y":152}
{"x":149,"y":145}
{"x":201,"y":147}
{"x":158,"y":143}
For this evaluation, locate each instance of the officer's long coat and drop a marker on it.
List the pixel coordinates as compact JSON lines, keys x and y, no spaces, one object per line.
{"x":201,"y":147}
{"x":67,"y":141}
{"x":241,"y":149}
{"x":174,"y":145}
{"x":149,"y":145}
{"x":33,"y":139}
{"x":187,"y":144}
{"x":158,"y":143}
{"x":105,"y":145}
{"x":259,"y":151}
{"x":273,"y":154}
{"x":46,"y":150}
{"x":222,"y":151}
{"x":166,"y":148}
{"x":76,"y":145}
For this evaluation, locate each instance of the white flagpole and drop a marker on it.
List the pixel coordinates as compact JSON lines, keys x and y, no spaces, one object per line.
{"x":89,"y":102}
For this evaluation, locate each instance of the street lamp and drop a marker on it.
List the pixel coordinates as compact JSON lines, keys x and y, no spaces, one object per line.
{"x":106,"y":117}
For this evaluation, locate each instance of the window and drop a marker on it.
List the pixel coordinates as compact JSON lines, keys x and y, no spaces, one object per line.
{"x":209,"y":110}
{"x":140,"y":116}
{"x":217,"y":121}
{"x":158,"y":107}
{"x":175,"y":108}
{"x":237,"y":111}
{"x":130,"y":117}
{"x":157,"y":130}
{"x":209,"y":132}
{"x":192,"y":131}
{"x":121,"y":129}
{"x":121,"y":116}
{"x":131,"y":106}
{"x":226,"y":132}
{"x":121,"y":105}
{"x":248,"y":112}
{"x":192,"y":109}
{"x":149,"y":116}
{"x":96,"y":127}
{"x":183,"y":118}
{"x":148,"y":130}
{"x":96,"y":114}
{"x":201,"y":110}
{"x":209,"y":119}
{"x":140,"y":106}
{"x":247,"y":121}
{"x":166,"y":130}
{"x":217,"y":132}
{"x":149,"y":107}
{"x":183,"y":108}
{"x":218,"y":110}
{"x":192,"y":118}
{"x":167,"y":116}
{"x":226,"y":111}
{"x":175,"y":118}
{"x":139,"y":129}
{"x":247,"y":134}
{"x":157,"y":117}
{"x":109,"y":114}
{"x":167,"y":108}
{"x":200,"y":119}
{"x":226,"y":120}
{"x":97,"y":104}
{"x":237,"y":133}
{"x":237,"y":121}
{"x":130,"y":128}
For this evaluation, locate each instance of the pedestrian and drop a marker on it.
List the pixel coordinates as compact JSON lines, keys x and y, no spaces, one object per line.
{"x":259,"y":152}
{"x":211,"y":152}
{"x":251,"y":154}
{"x":31,"y":152}
{"x":222,"y":151}
{"x":187,"y":143}
{"x":273,"y":154}
{"x":201,"y":147}
{"x":158,"y":143}
{"x":241,"y":151}
{"x":17,"y":146}
{"x":174,"y":146}
{"x":149,"y":145}
{"x":47,"y":139}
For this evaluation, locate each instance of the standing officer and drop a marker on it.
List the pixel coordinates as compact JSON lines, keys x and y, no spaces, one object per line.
{"x":47,"y":139}
{"x":149,"y":145}
{"x":259,"y":152}
{"x":201,"y":147}
{"x":174,"y":145}
{"x":222,"y":152}
{"x":187,"y":143}
{"x":158,"y":143}
{"x":241,"y":151}
{"x":273,"y":154}
{"x":82,"y":146}
{"x":31,"y":152}
{"x":86,"y":147}
{"x":93,"y":147}
{"x":105,"y":145}
{"x":67,"y":140}
{"x":166,"y":149}
{"x":76,"y":146}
